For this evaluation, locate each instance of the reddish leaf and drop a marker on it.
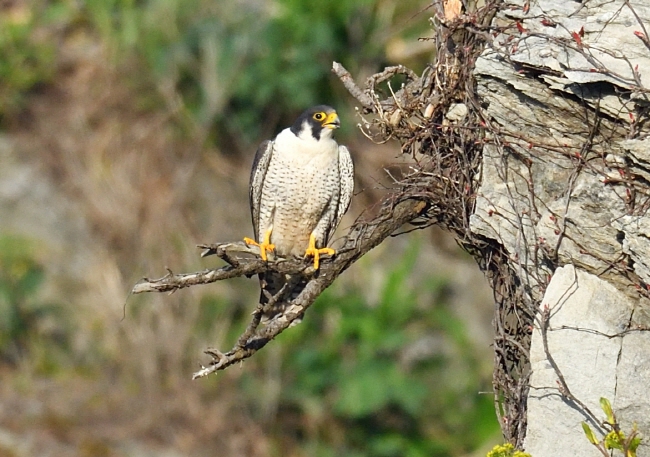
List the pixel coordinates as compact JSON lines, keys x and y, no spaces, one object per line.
{"x":520,"y":27}
{"x":582,"y":31}
{"x":643,"y":38}
{"x":577,"y":38}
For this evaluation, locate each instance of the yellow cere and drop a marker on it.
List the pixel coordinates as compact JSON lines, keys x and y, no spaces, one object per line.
{"x":332,"y":121}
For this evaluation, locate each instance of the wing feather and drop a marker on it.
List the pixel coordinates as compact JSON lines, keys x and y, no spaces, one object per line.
{"x":258,"y":175}
{"x":346,"y":175}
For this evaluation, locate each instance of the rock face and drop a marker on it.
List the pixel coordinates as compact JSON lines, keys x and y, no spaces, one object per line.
{"x":586,"y":311}
{"x":565,"y":190}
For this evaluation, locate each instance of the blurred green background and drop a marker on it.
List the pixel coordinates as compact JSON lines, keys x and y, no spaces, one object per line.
{"x":127,"y":130}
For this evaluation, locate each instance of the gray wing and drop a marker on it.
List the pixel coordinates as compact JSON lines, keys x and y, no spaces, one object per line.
{"x":346,"y":174}
{"x":258,"y":174}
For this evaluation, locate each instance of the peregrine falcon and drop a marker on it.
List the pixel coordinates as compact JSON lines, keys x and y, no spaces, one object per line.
{"x":301,"y":184}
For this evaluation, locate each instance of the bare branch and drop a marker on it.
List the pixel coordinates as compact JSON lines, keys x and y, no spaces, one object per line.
{"x":346,"y":78}
{"x":172,"y":282}
{"x":388,"y":73}
{"x":363,"y":237}
{"x":239,"y":266}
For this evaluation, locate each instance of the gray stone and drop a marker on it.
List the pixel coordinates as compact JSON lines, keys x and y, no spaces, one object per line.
{"x":636,"y":243}
{"x":567,"y":211}
{"x":457,"y":111}
{"x":585,"y":312}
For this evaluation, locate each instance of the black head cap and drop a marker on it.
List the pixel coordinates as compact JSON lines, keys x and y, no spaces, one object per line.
{"x":322,"y":120}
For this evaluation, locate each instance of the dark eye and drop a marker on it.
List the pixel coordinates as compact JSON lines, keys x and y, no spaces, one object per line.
{"x":319,"y":116}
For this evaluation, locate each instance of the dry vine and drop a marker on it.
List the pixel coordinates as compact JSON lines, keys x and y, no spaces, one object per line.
{"x":542,"y":215}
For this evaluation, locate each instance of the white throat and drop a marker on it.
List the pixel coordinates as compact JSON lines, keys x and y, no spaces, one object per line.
{"x":305,"y":147}
{"x":306,"y":133}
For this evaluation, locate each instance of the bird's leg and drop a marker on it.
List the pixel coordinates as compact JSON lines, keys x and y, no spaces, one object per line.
{"x":314,"y":252}
{"x":264,"y":246}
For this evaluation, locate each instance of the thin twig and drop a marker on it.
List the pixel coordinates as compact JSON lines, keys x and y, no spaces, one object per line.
{"x":564,"y":387}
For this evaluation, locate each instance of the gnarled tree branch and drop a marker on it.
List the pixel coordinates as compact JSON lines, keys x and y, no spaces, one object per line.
{"x":363,"y":236}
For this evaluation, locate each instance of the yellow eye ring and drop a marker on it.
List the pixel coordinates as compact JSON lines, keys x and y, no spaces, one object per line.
{"x":319,"y":116}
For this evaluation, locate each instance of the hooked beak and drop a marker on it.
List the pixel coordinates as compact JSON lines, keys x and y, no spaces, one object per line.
{"x":332,"y":121}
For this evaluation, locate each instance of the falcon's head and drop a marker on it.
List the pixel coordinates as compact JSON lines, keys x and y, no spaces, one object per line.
{"x":318,"y":122}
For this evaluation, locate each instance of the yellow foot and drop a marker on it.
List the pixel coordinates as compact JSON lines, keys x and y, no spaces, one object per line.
{"x":264,"y":245}
{"x":314,"y":252}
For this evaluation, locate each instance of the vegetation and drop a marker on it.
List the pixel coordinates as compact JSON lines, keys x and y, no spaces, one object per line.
{"x":615,"y":438}
{"x":229,"y":64}
{"x":388,"y":373}
{"x":28,"y":325}
{"x":506,"y":450}
{"x":26,"y":58}
{"x":392,"y":378}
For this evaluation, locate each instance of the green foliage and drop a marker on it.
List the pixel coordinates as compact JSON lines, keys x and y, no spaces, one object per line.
{"x":506,"y":450}
{"x":24,"y":319}
{"x":26,"y":56}
{"x":606,"y":406}
{"x":395,"y":378}
{"x":289,"y":67}
{"x":591,"y":436}
{"x":615,"y":438}
{"x":234,"y":66}
{"x":239,"y":72}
